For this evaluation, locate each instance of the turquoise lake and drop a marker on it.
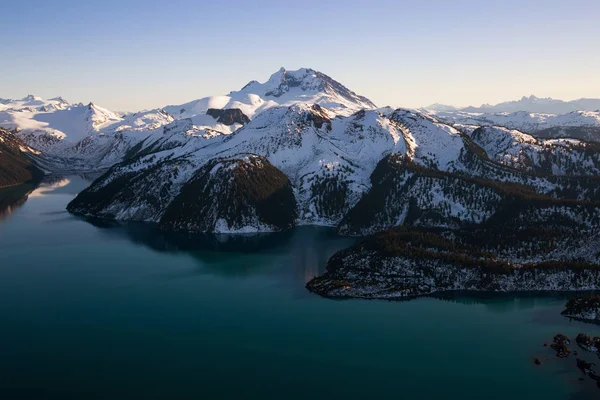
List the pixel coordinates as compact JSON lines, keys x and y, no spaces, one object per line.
{"x":99,"y":310}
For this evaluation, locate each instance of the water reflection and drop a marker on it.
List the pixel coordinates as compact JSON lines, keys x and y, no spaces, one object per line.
{"x":50,"y":186}
{"x":12,"y":198}
{"x":504,"y":302}
{"x":303,"y":252}
{"x":149,"y":235}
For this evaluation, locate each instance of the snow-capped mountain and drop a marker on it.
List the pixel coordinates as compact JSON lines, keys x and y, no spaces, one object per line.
{"x":31,"y":102}
{"x":283,"y":88}
{"x":530,"y":104}
{"x":335,"y":163}
{"x":348,"y":164}
{"x":77,"y":136}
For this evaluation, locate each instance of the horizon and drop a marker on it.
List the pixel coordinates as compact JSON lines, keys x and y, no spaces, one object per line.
{"x":412,"y":55}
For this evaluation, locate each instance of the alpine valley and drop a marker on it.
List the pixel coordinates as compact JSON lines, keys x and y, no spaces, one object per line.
{"x":448,"y":199}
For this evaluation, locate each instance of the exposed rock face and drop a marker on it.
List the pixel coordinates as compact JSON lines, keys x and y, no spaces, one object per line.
{"x":16,"y":165}
{"x":588,"y":343}
{"x":228,"y":116}
{"x":319,"y":116}
{"x":585,"y":307}
{"x":245,"y":194}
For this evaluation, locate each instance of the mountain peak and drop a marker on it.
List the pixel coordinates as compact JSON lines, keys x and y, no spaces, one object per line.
{"x":60,"y":99}
{"x":530,"y":98}
{"x":31,"y":97}
{"x":283,"y":88}
{"x":305,"y":81}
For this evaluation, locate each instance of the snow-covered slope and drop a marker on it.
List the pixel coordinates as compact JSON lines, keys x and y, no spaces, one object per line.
{"x":31,"y":103}
{"x":77,"y":136}
{"x":371,"y":164}
{"x":523,"y":121}
{"x":525,"y":152}
{"x":576,"y":124}
{"x":328,"y":159}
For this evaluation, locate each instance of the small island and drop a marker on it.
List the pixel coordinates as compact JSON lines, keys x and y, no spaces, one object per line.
{"x":584,"y":308}
{"x":560,"y":345}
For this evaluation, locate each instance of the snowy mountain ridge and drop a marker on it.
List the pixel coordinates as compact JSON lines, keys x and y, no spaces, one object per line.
{"x":76,"y":136}
{"x":340,"y":157}
{"x":331,"y":162}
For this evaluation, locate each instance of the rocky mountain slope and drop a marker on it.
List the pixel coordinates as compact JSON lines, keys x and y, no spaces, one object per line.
{"x":251,"y":192}
{"x":17,"y":161}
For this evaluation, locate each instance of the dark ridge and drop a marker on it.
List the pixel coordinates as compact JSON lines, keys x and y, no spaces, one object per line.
{"x":319,"y":117}
{"x":240,"y":192}
{"x":15,"y":166}
{"x":228,"y":116}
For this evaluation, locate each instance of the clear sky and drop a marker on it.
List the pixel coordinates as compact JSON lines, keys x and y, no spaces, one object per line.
{"x":130,"y":55}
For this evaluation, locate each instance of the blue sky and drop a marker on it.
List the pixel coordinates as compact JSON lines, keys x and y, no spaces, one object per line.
{"x":130,"y":55}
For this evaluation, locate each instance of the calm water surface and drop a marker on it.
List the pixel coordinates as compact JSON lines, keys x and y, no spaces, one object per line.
{"x":100,"y":310}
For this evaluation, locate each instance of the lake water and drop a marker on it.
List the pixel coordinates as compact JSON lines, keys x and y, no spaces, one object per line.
{"x":97,"y":310}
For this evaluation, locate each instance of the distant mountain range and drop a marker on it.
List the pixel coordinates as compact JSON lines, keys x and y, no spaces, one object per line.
{"x":530,"y":104}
